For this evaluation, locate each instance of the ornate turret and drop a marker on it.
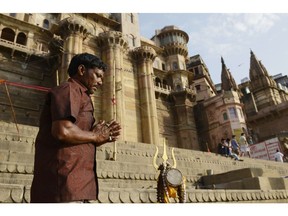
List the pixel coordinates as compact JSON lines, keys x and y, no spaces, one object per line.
{"x":174,"y":41}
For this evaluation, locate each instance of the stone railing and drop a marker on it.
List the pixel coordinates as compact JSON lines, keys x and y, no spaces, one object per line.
{"x":21,"y":47}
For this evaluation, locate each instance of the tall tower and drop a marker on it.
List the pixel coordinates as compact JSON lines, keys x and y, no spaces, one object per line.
{"x":263,"y":86}
{"x":174,"y":43}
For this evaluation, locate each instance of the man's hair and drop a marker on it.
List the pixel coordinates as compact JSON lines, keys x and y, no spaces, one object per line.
{"x":242,"y":134}
{"x":86,"y":59}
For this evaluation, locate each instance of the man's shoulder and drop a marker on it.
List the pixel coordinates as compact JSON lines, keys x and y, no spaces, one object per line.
{"x":60,"y":87}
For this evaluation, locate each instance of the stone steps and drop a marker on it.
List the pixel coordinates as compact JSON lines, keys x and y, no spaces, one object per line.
{"x":24,"y":130}
{"x":14,"y":193}
{"x":12,"y":167}
{"x":16,"y":178}
{"x":260,"y":183}
{"x":236,"y":175}
{"x":16,"y":157}
{"x":16,"y":146}
{"x":132,"y":177}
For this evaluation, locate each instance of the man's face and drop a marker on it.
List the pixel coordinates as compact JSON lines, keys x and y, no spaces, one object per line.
{"x":92,"y":79}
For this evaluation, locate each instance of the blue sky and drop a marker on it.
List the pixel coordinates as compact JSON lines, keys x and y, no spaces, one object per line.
{"x":230,"y":35}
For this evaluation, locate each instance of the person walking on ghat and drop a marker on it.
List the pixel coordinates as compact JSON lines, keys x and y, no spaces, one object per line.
{"x":65,"y":148}
{"x":235,"y":145}
{"x":244,"y":147}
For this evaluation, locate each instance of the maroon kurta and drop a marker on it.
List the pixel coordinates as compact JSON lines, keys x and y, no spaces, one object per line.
{"x":65,"y":172}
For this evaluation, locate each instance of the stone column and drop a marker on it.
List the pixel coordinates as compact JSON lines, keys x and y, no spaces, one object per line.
{"x":30,"y":40}
{"x":150,"y":129}
{"x":186,"y":127}
{"x":113,"y":46}
{"x":73,"y":31}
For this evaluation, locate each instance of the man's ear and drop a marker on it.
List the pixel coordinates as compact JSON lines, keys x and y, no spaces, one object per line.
{"x":81,"y":70}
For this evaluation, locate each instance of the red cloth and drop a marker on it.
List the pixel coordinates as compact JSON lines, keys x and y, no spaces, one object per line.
{"x":65,"y":172}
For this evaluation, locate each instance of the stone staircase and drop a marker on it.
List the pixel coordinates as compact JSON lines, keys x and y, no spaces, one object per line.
{"x":131,"y":178}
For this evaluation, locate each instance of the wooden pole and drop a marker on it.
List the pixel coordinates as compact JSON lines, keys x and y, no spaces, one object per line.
{"x":114,"y":106}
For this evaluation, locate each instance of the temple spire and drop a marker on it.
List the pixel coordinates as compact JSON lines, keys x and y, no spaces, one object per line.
{"x":228,"y":82}
{"x":259,"y":73}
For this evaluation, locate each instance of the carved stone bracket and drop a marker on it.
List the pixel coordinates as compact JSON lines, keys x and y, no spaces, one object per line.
{"x":72,"y":25}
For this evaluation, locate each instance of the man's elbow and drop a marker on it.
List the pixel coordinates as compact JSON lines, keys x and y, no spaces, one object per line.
{"x":60,"y":133}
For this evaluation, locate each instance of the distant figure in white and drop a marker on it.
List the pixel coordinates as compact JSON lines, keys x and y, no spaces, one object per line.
{"x":278,"y":156}
{"x":244,"y":147}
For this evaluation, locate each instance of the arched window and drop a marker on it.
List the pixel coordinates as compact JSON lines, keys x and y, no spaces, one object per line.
{"x":21,"y":38}
{"x":225,"y":116}
{"x":8,"y":34}
{"x":196,"y":71}
{"x":46,"y":24}
{"x":131,"y":17}
{"x":175,"y":65}
{"x":232,"y":112}
{"x":131,"y":40}
{"x":157,"y":81}
{"x":240,"y":112}
{"x":164,"y":83}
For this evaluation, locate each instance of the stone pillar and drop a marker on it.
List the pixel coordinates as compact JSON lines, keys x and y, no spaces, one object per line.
{"x":73,"y":31}
{"x":113,"y":46}
{"x":150,"y":129}
{"x":30,"y":40}
{"x":186,"y":127}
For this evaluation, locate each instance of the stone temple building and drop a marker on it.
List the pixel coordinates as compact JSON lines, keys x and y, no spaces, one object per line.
{"x":152,"y":87}
{"x":156,"y":85}
{"x":160,"y":91}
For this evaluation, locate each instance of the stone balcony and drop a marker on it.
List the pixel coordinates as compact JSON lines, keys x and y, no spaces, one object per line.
{"x":21,"y":48}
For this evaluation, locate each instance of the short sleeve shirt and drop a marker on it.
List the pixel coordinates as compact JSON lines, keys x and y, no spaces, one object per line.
{"x":279,"y":156}
{"x":243,"y":141}
{"x":65,"y":172}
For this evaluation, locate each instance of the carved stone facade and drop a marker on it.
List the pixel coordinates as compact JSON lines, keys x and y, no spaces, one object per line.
{"x":152,"y":87}
{"x":265,"y":103}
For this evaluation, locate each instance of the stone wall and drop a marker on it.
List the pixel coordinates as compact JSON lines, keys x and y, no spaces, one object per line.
{"x":131,"y":178}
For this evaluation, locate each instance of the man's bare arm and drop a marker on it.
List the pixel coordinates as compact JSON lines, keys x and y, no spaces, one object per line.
{"x":67,"y":132}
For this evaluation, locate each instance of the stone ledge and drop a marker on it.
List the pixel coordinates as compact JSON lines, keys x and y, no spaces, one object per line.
{"x":12,"y":193}
{"x":194,"y":196}
{"x":20,"y":193}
